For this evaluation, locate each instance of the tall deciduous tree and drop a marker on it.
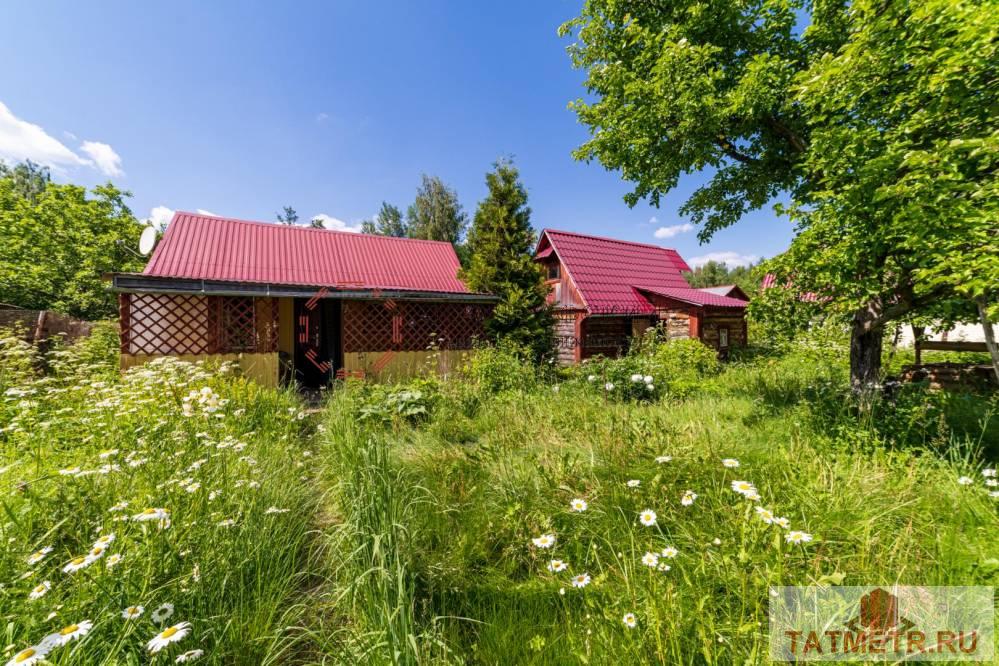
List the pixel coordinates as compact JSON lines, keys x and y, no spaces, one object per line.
{"x":500,"y":245}
{"x":289,"y":216}
{"x":436,"y":213}
{"x":877,"y":122}
{"x":56,"y":242}
{"x":388,"y":222}
{"x":716,"y":273}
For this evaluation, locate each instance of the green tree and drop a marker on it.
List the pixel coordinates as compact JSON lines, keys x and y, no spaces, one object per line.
{"x":873,"y":121}
{"x":436,"y":213}
{"x":56,"y":242}
{"x":715,"y":273}
{"x":30,"y":179}
{"x":500,"y":246}
{"x":388,"y":222}
{"x":289,"y":216}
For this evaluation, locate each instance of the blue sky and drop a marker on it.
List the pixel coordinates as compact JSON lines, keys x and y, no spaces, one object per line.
{"x":328,"y":107}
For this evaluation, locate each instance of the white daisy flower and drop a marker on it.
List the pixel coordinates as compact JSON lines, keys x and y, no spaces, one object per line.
{"x":629,"y":620}
{"x":544,"y":541}
{"x":190,"y":655}
{"x":39,"y":555}
{"x":731,"y":463}
{"x":228,"y":522}
{"x":994,"y":493}
{"x":663,"y":459}
{"x":113,"y":560}
{"x":609,"y":386}
{"x":152,"y":514}
{"x":633,"y":483}
{"x":688,"y":497}
{"x":796,"y":536}
{"x":670,"y":552}
{"x":992,"y":483}
{"x":555,"y":566}
{"x":582,"y":580}
{"x":743,"y":487}
{"x":104,"y":541}
{"x":782,"y":522}
{"x":650,"y":559}
{"x":77,"y":563}
{"x":647,"y":517}
{"x":965,"y":480}
{"x":163,"y":613}
{"x":647,"y":379}
{"x":132,"y":612}
{"x":29,"y":656}
{"x":169,"y":635}
{"x":989,"y":472}
{"x":274,"y":509}
{"x":578,"y":505}
{"x":40,"y":590}
{"x":765,"y":515}
{"x":68,"y":633}
{"x":636,"y":378}
{"x":752,"y":495}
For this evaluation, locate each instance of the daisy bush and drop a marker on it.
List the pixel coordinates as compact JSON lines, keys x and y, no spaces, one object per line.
{"x":558,"y":526}
{"x":158,"y":516}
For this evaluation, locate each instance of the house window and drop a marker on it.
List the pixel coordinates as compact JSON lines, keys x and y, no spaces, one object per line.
{"x":553,"y":271}
{"x":723,"y":338}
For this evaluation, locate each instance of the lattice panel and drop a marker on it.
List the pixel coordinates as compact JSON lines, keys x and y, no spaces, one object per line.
{"x":411,"y":325}
{"x":169,"y":324}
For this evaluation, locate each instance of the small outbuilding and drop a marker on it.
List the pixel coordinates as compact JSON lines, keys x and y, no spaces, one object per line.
{"x":606,"y":292}
{"x":296,"y":304}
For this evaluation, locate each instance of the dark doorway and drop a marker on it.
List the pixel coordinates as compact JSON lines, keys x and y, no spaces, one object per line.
{"x":318,"y":353}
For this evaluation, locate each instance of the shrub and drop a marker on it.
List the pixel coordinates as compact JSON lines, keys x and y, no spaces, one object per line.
{"x":503,"y":367}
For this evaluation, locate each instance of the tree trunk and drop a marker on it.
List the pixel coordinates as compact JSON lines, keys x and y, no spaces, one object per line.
{"x":990,"y":340}
{"x":865,"y":354}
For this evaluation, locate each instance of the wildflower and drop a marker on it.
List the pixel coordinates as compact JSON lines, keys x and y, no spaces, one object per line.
{"x":688,"y":497}
{"x":782,"y":522}
{"x":104,"y":455}
{"x":580,"y":581}
{"x":989,"y":472}
{"x":71,"y":471}
{"x":670,"y":551}
{"x":68,"y":633}
{"x":647,"y":517}
{"x":629,"y":620}
{"x":228,"y":522}
{"x":132,"y":612}
{"x":796,"y":536}
{"x":731,"y":463}
{"x":609,"y":386}
{"x":274,"y":509}
{"x":965,"y":480}
{"x":555,"y":566}
{"x":104,"y":541}
{"x":647,"y":379}
{"x":39,"y":555}
{"x":40,"y":590}
{"x":163,"y":613}
{"x":743,"y":487}
{"x":120,"y":506}
{"x":636,"y":378}
{"x":992,"y":483}
{"x":190,"y":655}
{"x":77,"y":563}
{"x":544,"y":541}
{"x":994,"y":493}
{"x":591,"y":378}
{"x":578,"y":505}
{"x":765,"y":515}
{"x":716,"y":541}
{"x":663,"y":567}
{"x":663,"y":459}
{"x":169,"y":635}
{"x":152,"y":514}
{"x":193,"y":487}
{"x":113,"y":560}
{"x":29,"y":656}
{"x":650,"y":559}
{"x":752,"y":495}
{"x":633,"y":483}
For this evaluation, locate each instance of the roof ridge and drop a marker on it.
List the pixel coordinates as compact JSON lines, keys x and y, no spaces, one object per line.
{"x":608,"y":239}
{"x":261,"y":223}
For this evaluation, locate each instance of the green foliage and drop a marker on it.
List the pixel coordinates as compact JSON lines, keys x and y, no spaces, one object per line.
{"x":501,"y":367}
{"x":388,"y":222}
{"x":716,"y":274}
{"x":57,"y":243}
{"x":413,"y":402}
{"x":288,"y":216}
{"x":436,"y":213}
{"x":501,"y":244}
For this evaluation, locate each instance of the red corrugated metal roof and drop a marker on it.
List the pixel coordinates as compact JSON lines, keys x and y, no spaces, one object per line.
{"x":697,"y":297}
{"x":606,"y":271}
{"x":218,"y":248}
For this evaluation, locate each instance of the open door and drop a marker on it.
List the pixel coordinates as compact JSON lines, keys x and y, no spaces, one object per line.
{"x":318,"y":353}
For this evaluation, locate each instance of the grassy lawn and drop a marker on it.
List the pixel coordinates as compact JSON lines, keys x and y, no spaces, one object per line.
{"x":439,"y":522}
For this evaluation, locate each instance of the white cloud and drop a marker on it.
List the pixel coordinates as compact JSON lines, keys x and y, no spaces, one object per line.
{"x":675,"y":230}
{"x":103,"y":155}
{"x":335,"y":224}
{"x":21,"y":140}
{"x":322,"y":117}
{"x":202,"y":211}
{"x":731,"y":259}
{"x":159,"y":217}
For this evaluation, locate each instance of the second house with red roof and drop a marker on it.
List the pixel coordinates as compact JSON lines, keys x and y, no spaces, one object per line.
{"x":607,"y":292}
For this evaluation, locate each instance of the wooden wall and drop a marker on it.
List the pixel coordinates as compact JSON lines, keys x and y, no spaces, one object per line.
{"x":715,"y":320}
{"x":566,"y":340}
{"x":400,"y":365}
{"x":607,"y":336}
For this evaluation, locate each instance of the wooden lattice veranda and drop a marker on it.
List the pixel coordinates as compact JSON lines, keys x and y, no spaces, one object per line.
{"x":176,"y":325}
{"x":382,"y":325}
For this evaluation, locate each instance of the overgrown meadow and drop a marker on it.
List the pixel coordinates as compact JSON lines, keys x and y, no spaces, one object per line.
{"x":627,"y":511}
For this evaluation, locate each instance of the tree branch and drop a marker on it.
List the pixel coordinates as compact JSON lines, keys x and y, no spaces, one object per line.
{"x":798,"y":144}
{"x":732,"y":152}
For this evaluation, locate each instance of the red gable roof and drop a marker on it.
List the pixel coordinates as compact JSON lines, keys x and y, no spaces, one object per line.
{"x":218,"y":248}
{"x":610,"y":274}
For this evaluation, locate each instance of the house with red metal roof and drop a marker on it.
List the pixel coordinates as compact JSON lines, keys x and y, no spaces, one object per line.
{"x":296,"y":304}
{"x":605,"y":292}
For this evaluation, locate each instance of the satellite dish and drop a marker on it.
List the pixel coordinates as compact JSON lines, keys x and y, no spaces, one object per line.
{"x":147,"y":240}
